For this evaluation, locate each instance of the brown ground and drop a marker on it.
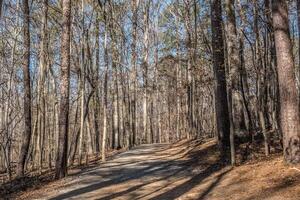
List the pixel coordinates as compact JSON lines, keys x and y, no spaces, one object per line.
{"x":186,"y":170}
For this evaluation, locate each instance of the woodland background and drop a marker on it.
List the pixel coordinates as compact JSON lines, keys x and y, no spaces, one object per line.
{"x":81,"y":78}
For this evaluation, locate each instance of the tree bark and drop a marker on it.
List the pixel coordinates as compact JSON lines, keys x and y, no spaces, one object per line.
{"x":289,"y":106}
{"x":221,"y":104}
{"x":26,"y":137}
{"x":82,"y":83}
{"x":234,"y":68}
{"x":105,"y":85}
{"x":133,"y":75}
{"x":261,"y":73}
{"x":1,"y":3}
{"x":41,"y":89}
{"x":61,"y":159}
{"x":146,"y":137}
{"x":298,"y":19}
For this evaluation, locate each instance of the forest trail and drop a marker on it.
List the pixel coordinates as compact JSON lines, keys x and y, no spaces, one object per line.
{"x":186,"y":170}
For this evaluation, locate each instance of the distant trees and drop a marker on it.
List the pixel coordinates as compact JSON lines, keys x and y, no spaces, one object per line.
{"x":116,"y":74}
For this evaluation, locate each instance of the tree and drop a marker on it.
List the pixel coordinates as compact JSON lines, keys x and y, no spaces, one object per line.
{"x":105,"y":85}
{"x":1,"y":3}
{"x":82,"y":83}
{"x":41,"y":105}
{"x":190,"y":67}
{"x":235,"y":92}
{"x":133,"y":75}
{"x":289,"y":106}
{"x":132,"y":72}
{"x":298,"y":18}
{"x":26,"y":137}
{"x":61,"y":159}
{"x":261,"y":76}
{"x":221,"y":103}
{"x":145,"y":71}
{"x":234,"y":67}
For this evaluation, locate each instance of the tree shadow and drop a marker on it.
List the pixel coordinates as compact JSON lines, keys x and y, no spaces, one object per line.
{"x":8,"y":190}
{"x":283,"y":184}
{"x":191,"y":183}
{"x":133,"y":174}
{"x":214,"y":184}
{"x":163,"y":170}
{"x":136,"y":187}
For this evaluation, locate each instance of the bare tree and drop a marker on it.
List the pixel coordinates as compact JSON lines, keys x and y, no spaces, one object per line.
{"x":133,"y":75}
{"x":221,"y":104}
{"x":289,"y":106}
{"x":234,"y":67}
{"x":61,"y":159}
{"x":27,"y":91}
{"x":1,"y":3}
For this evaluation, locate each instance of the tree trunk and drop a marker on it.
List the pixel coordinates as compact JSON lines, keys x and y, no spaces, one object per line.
{"x":97,"y":100}
{"x":234,"y":68}
{"x":261,"y":79}
{"x":133,"y":77}
{"x":189,"y":75}
{"x":26,"y":137}
{"x":221,"y":104}
{"x":61,"y":159}
{"x":1,"y":3}
{"x":82,"y":83}
{"x":105,"y":85}
{"x":298,"y":16}
{"x":41,"y":88}
{"x":289,"y":106}
{"x":244,"y":76}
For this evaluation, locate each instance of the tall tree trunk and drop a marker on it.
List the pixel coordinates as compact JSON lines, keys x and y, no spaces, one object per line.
{"x":61,"y":159}
{"x":178,"y":78}
{"x":116,"y":131}
{"x":82,"y":83}
{"x":274,"y":93}
{"x":261,"y":79}
{"x":26,"y":137}
{"x":156,"y":86}
{"x":133,"y":77}
{"x":1,"y":3}
{"x":298,"y":16}
{"x":41,"y":88}
{"x":82,"y":118}
{"x":234,"y":68}
{"x":115,"y":95}
{"x":221,"y":104}
{"x":190,"y":65}
{"x":289,"y":106}
{"x":97,"y":101}
{"x":105,"y":85}
{"x":244,"y":77}
{"x":235,"y":94}
{"x":146,"y":137}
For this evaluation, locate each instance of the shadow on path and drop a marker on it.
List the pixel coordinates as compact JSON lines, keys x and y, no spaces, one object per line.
{"x":152,"y":171}
{"x":191,"y":183}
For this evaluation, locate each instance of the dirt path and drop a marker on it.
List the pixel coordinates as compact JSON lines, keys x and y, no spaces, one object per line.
{"x":161,"y":172}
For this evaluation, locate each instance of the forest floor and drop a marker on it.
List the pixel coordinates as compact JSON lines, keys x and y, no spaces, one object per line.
{"x":185,"y":170}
